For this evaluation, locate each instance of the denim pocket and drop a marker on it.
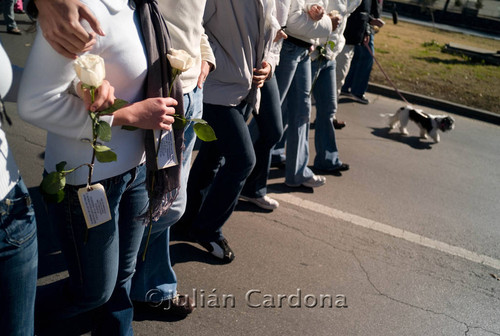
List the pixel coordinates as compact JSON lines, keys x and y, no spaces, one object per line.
{"x":18,"y":216}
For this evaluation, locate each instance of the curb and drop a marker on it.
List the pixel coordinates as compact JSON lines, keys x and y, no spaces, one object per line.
{"x":443,"y":105}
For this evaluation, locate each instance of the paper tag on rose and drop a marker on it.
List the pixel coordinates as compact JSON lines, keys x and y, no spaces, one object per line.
{"x":94,"y":205}
{"x":167,"y":156}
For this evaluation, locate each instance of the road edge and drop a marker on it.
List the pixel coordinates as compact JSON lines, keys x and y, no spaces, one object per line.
{"x":462,"y":110}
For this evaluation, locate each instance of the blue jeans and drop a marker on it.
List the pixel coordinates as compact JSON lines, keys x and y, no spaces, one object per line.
{"x":325,"y":95}
{"x":101,"y":260}
{"x":293,"y":75}
{"x":359,"y":72}
{"x":219,"y":171}
{"x":270,"y":129}
{"x":155,"y":279}
{"x":18,"y":262}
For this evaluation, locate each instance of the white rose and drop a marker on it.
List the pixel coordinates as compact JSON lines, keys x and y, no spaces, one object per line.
{"x":90,"y":69}
{"x":180,"y":60}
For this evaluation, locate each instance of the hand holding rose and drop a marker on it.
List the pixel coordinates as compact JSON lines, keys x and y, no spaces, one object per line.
{"x":104,"y":97}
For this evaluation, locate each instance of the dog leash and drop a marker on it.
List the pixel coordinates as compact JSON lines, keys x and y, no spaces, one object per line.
{"x":385,"y":74}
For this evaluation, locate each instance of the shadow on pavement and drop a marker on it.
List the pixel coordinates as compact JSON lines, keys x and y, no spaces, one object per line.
{"x":145,"y":313}
{"x":249,"y":207}
{"x":182,"y":252}
{"x":282,"y":188}
{"x":412,"y":141}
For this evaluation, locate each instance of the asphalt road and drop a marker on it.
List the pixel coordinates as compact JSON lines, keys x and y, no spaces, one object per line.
{"x":404,"y":243}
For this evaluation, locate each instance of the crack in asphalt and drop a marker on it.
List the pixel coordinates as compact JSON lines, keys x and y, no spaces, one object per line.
{"x":21,"y":136}
{"x":379,"y":292}
{"x":303,"y":233}
{"x":352,"y":252}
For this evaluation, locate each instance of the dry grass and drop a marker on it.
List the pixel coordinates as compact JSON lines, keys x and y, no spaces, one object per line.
{"x":411,"y":55}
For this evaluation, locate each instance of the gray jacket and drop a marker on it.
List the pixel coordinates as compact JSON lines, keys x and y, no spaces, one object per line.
{"x":236,"y":33}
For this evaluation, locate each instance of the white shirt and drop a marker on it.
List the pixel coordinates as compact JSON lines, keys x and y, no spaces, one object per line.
{"x":301,"y":26}
{"x":46,"y":102}
{"x":9,"y":173}
{"x":345,"y":8}
{"x":184,"y":22}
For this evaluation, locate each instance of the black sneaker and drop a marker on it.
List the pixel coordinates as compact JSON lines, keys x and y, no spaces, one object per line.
{"x":219,"y":249}
{"x":338,"y":124}
{"x":341,"y":168}
{"x":180,"y":306}
{"x":360,"y":99}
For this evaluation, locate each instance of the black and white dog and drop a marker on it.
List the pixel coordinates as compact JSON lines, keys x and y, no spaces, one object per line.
{"x":429,"y":124}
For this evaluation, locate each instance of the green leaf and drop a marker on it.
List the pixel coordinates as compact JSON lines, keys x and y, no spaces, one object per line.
{"x":199,"y":121}
{"x":101,"y":148}
{"x":104,"y":131}
{"x":331,"y":44}
{"x":54,"y":198}
{"x":118,"y":104}
{"x":53,"y":183}
{"x":205,"y":132}
{"x":60,"y":166}
{"x":106,"y":156}
{"x":129,"y":128}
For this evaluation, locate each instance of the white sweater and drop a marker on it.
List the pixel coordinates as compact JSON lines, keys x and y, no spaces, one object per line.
{"x":184,"y":22}
{"x":45,"y":101}
{"x":301,"y":26}
{"x":9,"y":174}
{"x":345,"y":8}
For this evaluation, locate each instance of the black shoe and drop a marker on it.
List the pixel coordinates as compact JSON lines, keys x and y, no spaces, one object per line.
{"x":219,"y":249}
{"x":360,"y":99}
{"x":180,"y":305}
{"x":338,"y":124}
{"x":342,"y":167}
{"x":335,"y":171}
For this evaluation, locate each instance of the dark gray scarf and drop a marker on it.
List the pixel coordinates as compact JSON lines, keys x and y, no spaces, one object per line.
{"x":163,"y":185}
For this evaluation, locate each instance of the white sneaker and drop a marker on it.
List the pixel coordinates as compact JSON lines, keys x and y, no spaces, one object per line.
{"x":264,"y":202}
{"x":313,"y":182}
